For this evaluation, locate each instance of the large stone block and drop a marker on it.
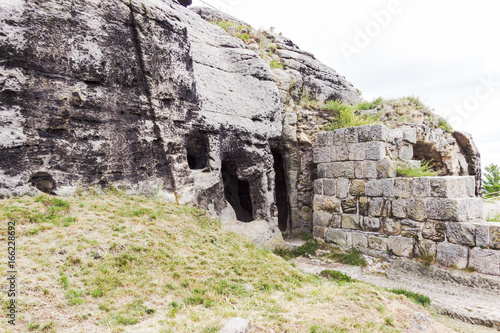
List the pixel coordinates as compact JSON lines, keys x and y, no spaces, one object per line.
{"x":322,"y":155}
{"x":417,"y":209}
{"x":350,"y":221}
{"x":485,"y":261}
{"x":342,"y":238}
{"x":321,"y":169}
{"x":448,"y":187}
{"x":342,"y":152}
{"x":318,"y":186}
{"x":369,"y":169}
{"x":321,"y":219}
{"x":357,"y":152}
{"x":410,"y":135}
{"x":358,"y":170}
{"x":495,"y":236}
{"x":386,"y":168}
{"x":379,"y":132}
{"x":401,"y":246}
{"x":342,"y":188}
{"x":434,"y":231}
{"x":425,"y":247}
{"x":339,"y":136}
{"x":391,"y":227}
{"x":319,"y":232}
{"x":447,"y":209}
{"x":357,"y":188}
{"x":329,"y":187}
{"x":326,"y":204}
{"x":380,"y":207}
{"x":359,"y":240}
{"x":474,"y":207}
{"x":377,"y":242}
{"x":348,"y":170}
{"x":406,"y":152}
{"x":421,"y":187}
{"x":410,"y":228}
{"x":461,"y":233}
{"x":371,"y":224}
{"x":322,"y":139}
{"x":364,"y":133}
{"x":388,"y":187}
{"x":332,"y":170}
{"x":399,"y":208}
{"x":452,"y":255}
{"x":351,"y":135}
{"x":482,"y":235}
{"x":402,"y":188}
{"x":374,"y":188}
{"x":375,"y":150}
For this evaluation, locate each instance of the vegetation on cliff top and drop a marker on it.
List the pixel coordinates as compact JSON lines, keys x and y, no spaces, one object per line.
{"x":109,"y":262}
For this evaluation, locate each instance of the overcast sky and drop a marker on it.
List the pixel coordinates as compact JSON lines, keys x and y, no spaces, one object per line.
{"x":445,"y":52}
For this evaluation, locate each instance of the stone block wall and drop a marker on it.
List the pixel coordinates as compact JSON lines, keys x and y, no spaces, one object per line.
{"x":360,"y":202}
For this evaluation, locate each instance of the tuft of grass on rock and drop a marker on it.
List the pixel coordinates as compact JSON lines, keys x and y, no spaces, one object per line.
{"x":425,"y":170}
{"x":336,"y":276}
{"x":415,"y":297}
{"x":352,"y":257}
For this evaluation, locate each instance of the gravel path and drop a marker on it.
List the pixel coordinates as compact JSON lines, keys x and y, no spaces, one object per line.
{"x":470,"y":297}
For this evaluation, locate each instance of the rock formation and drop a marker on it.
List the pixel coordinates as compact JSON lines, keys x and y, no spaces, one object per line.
{"x":152,"y":97}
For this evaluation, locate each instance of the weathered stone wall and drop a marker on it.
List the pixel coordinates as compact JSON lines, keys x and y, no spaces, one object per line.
{"x":359,"y":202}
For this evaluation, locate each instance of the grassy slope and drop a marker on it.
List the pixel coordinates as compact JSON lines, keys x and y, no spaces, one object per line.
{"x":112,"y":262}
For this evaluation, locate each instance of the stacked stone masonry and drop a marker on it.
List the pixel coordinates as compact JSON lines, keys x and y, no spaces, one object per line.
{"x":360,"y":202}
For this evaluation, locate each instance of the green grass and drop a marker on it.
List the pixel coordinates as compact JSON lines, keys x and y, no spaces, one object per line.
{"x":370,"y":105}
{"x":493,"y":218}
{"x":336,"y":275}
{"x":347,"y":115}
{"x":425,"y":170}
{"x":310,"y":247}
{"x":352,"y":257}
{"x":415,"y":297}
{"x":131,"y":260}
{"x":443,"y":124}
{"x":276,"y":64}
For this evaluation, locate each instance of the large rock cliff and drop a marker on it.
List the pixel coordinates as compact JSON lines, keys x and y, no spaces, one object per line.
{"x":147,"y":95}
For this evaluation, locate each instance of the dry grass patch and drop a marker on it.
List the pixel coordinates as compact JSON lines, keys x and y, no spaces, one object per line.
{"x":112,"y":262}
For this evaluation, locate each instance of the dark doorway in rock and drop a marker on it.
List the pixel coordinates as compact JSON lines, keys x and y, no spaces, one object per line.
{"x":280,"y":191}
{"x":237,"y":192}
{"x":44,"y":182}
{"x":423,"y":151}
{"x":197,"y":152}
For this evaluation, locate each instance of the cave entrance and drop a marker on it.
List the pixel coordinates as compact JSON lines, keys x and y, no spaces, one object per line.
{"x":237,"y":192}
{"x":423,"y":151}
{"x":280,"y":191}
{"x":197,"y":152}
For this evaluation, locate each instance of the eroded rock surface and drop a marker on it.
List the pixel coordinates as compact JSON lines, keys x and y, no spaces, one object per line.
{"x":142,"y":94}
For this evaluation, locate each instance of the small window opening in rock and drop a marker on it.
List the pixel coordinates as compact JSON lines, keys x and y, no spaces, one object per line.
{"x":237,"y":192}
{"x":44,"y":182}
{"x":427,"y":152}
{"x":197,"y":152}
{"x":280,"y":191}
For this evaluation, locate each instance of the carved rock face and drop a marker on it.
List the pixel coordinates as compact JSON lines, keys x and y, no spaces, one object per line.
{"x":148,"y":96}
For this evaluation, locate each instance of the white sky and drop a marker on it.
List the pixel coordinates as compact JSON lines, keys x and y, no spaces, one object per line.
{"x":441,"y":51}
